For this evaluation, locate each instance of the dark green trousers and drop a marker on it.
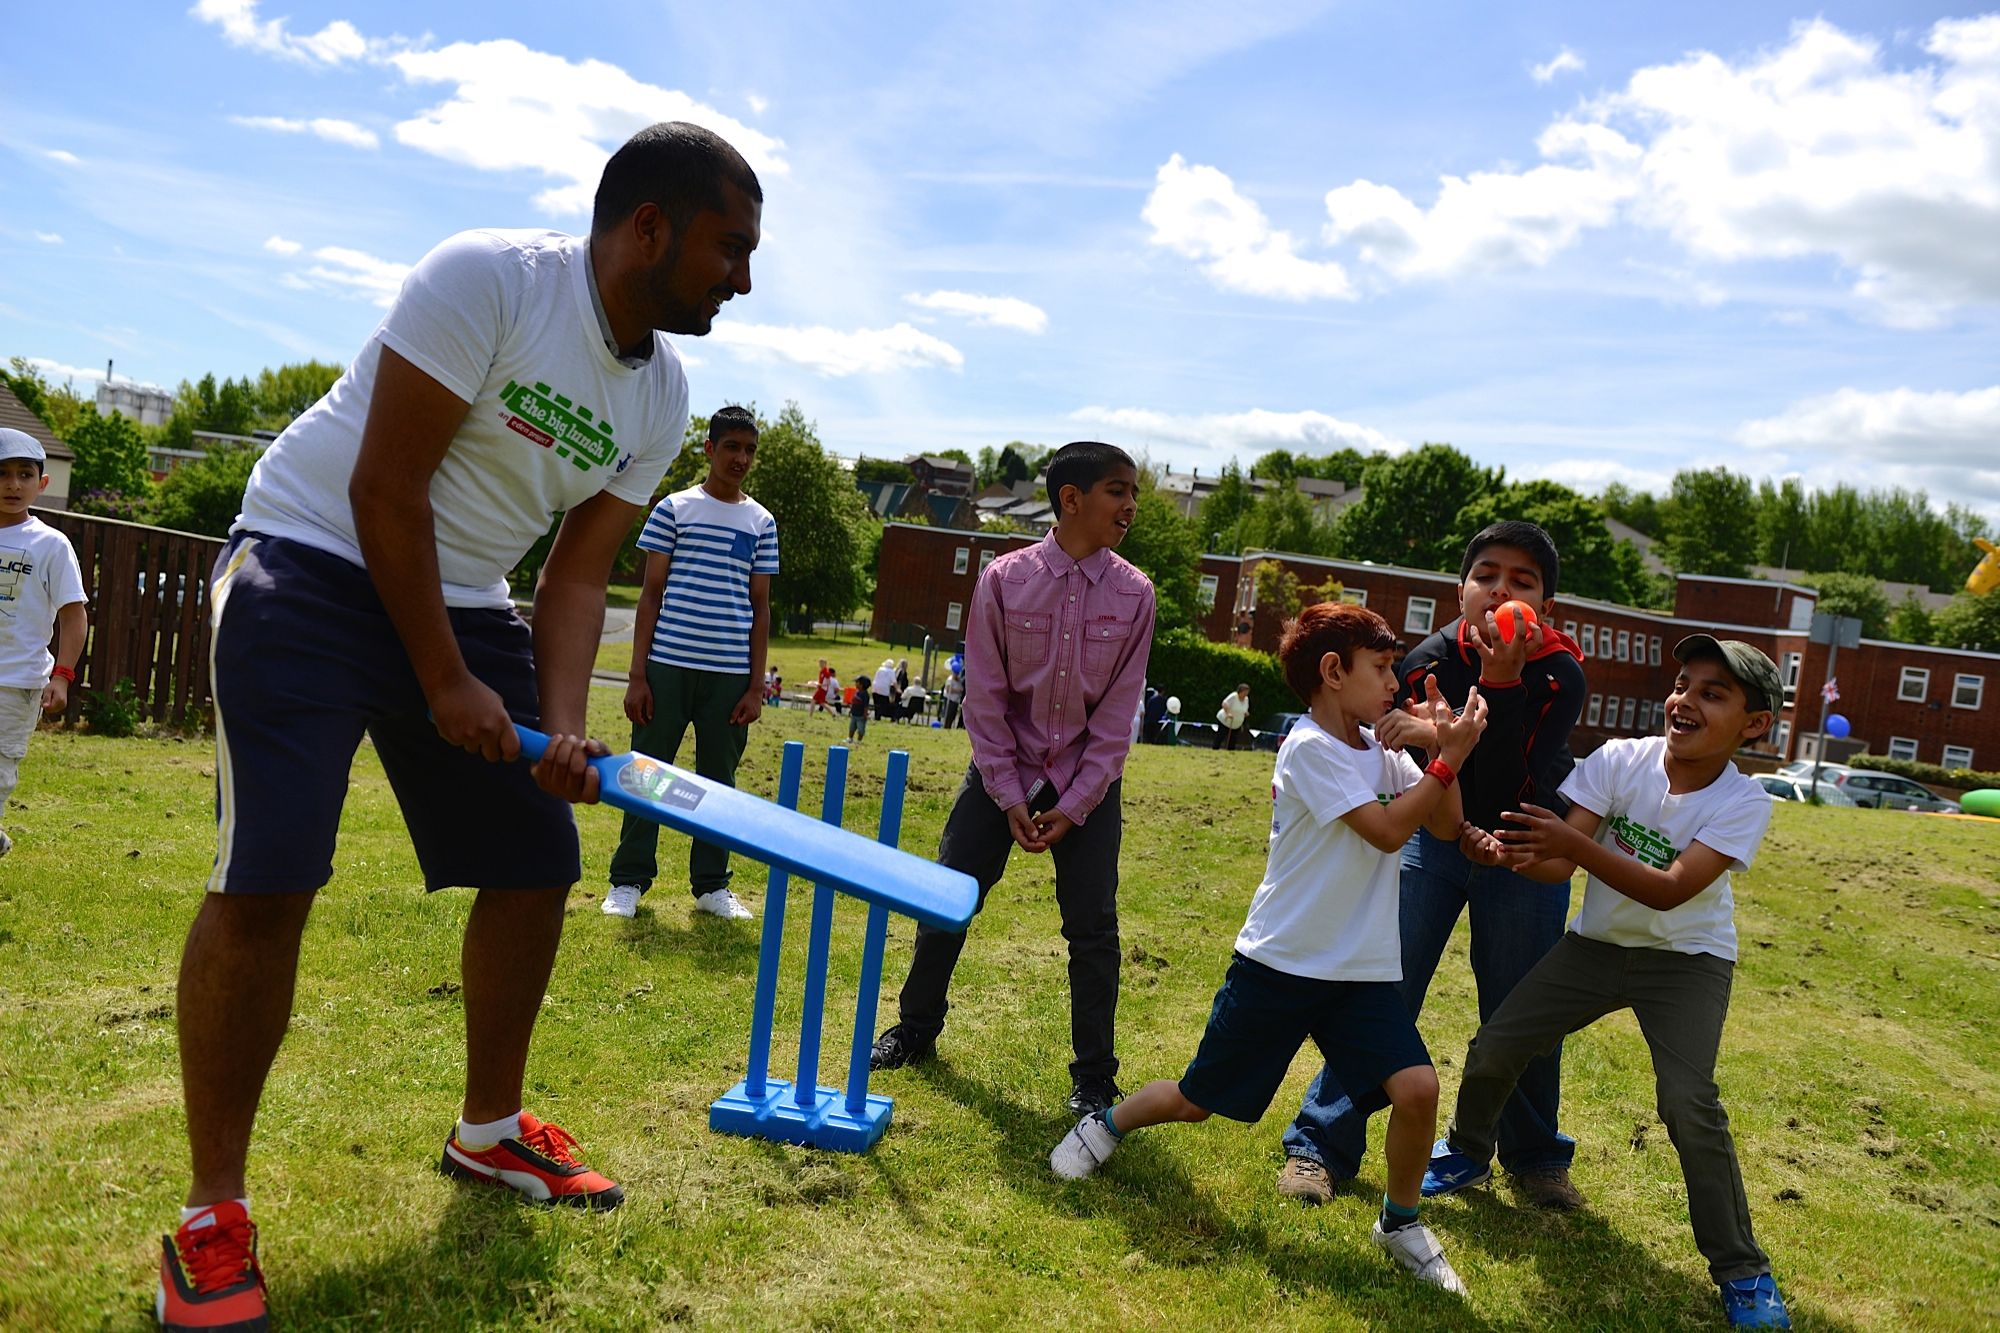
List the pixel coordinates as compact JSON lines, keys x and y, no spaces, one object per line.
{"x":682,"y":696}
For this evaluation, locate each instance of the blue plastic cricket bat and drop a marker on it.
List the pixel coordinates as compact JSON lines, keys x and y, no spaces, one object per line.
{"x":799,"y":844}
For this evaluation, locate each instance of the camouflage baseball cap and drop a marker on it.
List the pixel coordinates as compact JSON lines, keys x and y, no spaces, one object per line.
{"x":1763,"y":688}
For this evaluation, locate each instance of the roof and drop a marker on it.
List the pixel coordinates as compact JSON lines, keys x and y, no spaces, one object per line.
{"x":14,"y":415}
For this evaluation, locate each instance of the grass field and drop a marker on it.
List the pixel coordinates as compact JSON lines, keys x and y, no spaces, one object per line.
{"x":1860,"y":1070}
{"x":796,"y":656}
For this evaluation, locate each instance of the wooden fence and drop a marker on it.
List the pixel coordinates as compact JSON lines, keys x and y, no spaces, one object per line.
{"x":148,"y":591}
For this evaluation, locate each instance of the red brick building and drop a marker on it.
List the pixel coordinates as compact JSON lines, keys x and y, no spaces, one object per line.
{"x":1937,"y":705}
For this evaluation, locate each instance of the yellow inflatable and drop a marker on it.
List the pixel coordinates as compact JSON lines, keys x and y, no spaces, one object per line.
{"x":1986,"y":577}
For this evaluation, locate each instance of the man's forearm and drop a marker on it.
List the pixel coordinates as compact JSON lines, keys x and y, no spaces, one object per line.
{"x":399,"y":546}
{"x":569,"y":621}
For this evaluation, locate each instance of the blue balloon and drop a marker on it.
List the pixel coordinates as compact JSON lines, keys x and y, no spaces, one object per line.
{"x":957,"y":663}
{"x":1836,"y":725}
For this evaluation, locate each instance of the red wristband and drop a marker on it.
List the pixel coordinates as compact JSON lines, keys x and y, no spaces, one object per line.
{"x":67,"y":673}
{"x":1443,"y":772}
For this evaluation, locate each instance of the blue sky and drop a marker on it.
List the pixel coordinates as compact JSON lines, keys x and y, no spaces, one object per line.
{"x":1589,"y":242}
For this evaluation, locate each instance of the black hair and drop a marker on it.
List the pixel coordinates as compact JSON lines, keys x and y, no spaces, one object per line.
{"x":1082,"y":464}
{"x":1522,"y":536}
{"x":732,"y":418}
{"x":678,"y":166}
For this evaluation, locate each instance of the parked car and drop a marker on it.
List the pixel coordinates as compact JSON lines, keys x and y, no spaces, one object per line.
{"x":1270,"y":738}
{"x":1887,"y":791}
{"x":1800,"y":770}
{"x":1781,"y":788}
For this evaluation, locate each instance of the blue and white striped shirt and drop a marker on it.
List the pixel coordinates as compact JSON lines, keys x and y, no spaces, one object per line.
{"x":714,"y":547}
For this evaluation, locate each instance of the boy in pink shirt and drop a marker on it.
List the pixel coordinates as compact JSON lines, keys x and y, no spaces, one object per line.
{"x":1055,"y":660}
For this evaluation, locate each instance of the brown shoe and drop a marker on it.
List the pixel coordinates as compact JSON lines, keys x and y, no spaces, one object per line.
{"x":1550,"y":1188}
{"x":1305,"y":1180}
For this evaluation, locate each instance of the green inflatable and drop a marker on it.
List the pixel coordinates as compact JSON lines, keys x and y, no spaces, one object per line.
{"x":1985,"y":801}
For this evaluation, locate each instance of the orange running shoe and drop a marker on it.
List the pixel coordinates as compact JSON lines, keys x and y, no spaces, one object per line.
{"x":541,"y":1164}
{"x":209,"y":1279}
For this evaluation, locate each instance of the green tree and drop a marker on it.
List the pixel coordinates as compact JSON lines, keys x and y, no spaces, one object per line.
{"x":1635,"y":509}
{"x":1969,"y":620}
{"x":285,"y":392}
{"x":1219,"y":522}
{"x":1856,"y":595}
{"x":879,"y":470}
{"x":1409,"y":511}
{"x":110,"y":457}
{"x":61,"y":408}
{"x":1162,"y":544}
{"x":205,"y":495}
{"x":1910,"y":622}
{"x":1710,"y":522}
{"x":1591,"y":563}
{"x":1783,"y":536}
{"x":822,"y":521}
{"x":1277,"y":588}
{"x":957,"y":455}
{"x":1276,"y":465}
{"x":1283,"y":520}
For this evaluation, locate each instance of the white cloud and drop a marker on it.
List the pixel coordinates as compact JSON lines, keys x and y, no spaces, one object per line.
{"x":49,"y":237}
{"x":515,"y":109}
{"x":278,"y":245}
{"x":1005,"y":312}
{"x":335,"y":44}
{"x":1563,"y":61}
{"x":758,"y":104}
{"x":1816,"y":149}
{"x":62,"y":155}
{"x":333,"y":131}
{"x":1196,"y":212}
{"x":355,"y":272}
{"x":1242,"y":434}
{"x":59,"y":373}
{"x":1940,"y":440}
{"x":838,"y":353}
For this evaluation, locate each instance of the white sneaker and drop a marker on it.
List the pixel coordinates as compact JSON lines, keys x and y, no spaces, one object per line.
{"x":623,"y":900}
{"x":1083,"y":1149}
{"x":722,"y":903}
{"x":1418,"y":1250}
{"x":6,"y":843}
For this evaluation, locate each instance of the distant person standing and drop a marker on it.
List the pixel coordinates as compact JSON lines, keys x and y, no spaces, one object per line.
{"x":883,"y":687}
{"x":954,"y":698}
{"x":698,"y":647}
{"x":41,"y":596}
{"x":857,"y":709}
{"x":1231,"y":718}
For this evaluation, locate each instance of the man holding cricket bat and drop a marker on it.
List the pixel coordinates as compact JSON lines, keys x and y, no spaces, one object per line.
{"x":519,"y":375}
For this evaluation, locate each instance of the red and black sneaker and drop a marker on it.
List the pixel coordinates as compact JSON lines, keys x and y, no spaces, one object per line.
{"x":209,"y":1279}
{"x":541,"y":1164}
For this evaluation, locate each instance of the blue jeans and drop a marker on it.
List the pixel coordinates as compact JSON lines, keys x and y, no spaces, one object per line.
{"x":1515,"y":921}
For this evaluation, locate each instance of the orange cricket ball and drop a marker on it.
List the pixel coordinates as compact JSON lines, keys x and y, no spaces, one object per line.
{"x":1505,"y":618}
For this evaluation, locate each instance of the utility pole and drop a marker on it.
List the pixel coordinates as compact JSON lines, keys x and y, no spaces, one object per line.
{"x":1834,"y":632}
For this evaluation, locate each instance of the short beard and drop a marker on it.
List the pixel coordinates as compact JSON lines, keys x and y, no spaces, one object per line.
{"x":669,"y":314}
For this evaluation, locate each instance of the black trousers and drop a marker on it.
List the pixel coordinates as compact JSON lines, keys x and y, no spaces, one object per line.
{"x":977,"y":841}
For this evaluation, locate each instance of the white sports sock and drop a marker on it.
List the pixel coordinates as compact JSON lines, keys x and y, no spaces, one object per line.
{"x":189,"y":1214}
{"x":477,"y":1137}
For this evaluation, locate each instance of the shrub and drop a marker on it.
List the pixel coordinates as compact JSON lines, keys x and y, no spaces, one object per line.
{"x":114,"y":712}
{"x":1184,"y":663}
{"x":1931,"y":775}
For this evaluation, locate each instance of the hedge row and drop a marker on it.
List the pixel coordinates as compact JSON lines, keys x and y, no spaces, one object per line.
{"x":1183,"y":663}
{"x":1931,"y":775}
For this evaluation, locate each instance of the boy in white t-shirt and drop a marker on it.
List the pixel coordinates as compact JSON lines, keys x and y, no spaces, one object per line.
{"x":1320,"y":952}
{"x":1658,"y":823}
{"x":699,"y":640}
{"x":41,"y":594}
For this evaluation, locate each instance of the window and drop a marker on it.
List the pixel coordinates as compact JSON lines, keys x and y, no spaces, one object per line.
{"x":1958,"y":756}
{"x":1610,"y":711}
{"x":1205,"y":595}
{"x":1902,"y":747}
{"x":1792,"y":663}
{"x":1967,"y":691}
{"x":1569,"y":628}
{"x":1354,"y":596}
{"x":1654,"y":658}
{"x":961,"y":560}
{"x":985,"y":559}
{"x":1596,"y":707}
{"x":953,"y":614}
{"x":1915,"y":684}
{"x":1784,"y":737}
{"x":1604,"y":639}
{"x":1417,"y":616}
{"x":1624,"y":653}
{"x":1631,"y":710}
{"x":1590,"y":643}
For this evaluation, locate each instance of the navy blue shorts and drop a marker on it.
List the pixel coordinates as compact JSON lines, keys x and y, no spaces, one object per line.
{"x":1261,"y":1018}
{"x":304,"y":660}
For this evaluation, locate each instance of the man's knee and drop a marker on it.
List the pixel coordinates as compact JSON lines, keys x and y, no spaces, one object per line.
{"x":1413,"y":1090}
{"x":1690,"y":1107}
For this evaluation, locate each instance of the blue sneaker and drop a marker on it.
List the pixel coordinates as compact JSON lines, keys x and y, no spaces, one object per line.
{"x":1450,"y":1172}
{"x":1754,"y":1302}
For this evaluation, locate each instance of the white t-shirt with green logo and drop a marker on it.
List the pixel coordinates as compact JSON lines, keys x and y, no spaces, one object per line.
{"x":1328,"y":905}
{"x":504,"y":320}
{"x":1625,"y":782}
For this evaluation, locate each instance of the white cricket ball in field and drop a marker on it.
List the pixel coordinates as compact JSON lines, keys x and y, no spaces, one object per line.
{"x":1174,"y":704}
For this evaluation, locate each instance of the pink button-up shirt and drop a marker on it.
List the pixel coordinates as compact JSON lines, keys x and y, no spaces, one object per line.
{"x":1055,"y":659}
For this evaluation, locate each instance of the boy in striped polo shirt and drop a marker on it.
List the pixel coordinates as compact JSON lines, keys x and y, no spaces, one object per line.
{"x":698,"y":645}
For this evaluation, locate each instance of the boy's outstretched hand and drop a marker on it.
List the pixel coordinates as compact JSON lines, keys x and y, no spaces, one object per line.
{"x":1542,"y":835}
{"x":1403,"y":727}
{"x":1455,"y":735}
{"x":1500,"y":661}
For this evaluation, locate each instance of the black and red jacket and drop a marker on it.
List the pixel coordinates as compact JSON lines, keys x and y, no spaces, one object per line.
{"x":1524,"y":753}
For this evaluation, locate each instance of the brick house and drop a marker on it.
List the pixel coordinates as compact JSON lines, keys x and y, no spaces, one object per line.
{"x":14,"y":415}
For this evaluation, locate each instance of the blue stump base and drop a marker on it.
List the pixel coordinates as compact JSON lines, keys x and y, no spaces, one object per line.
{"x":826,"y":1124}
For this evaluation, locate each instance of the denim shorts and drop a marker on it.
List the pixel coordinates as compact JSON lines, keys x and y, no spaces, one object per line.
{"x":305,"y":662}
{"x":1261,"y":1018}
